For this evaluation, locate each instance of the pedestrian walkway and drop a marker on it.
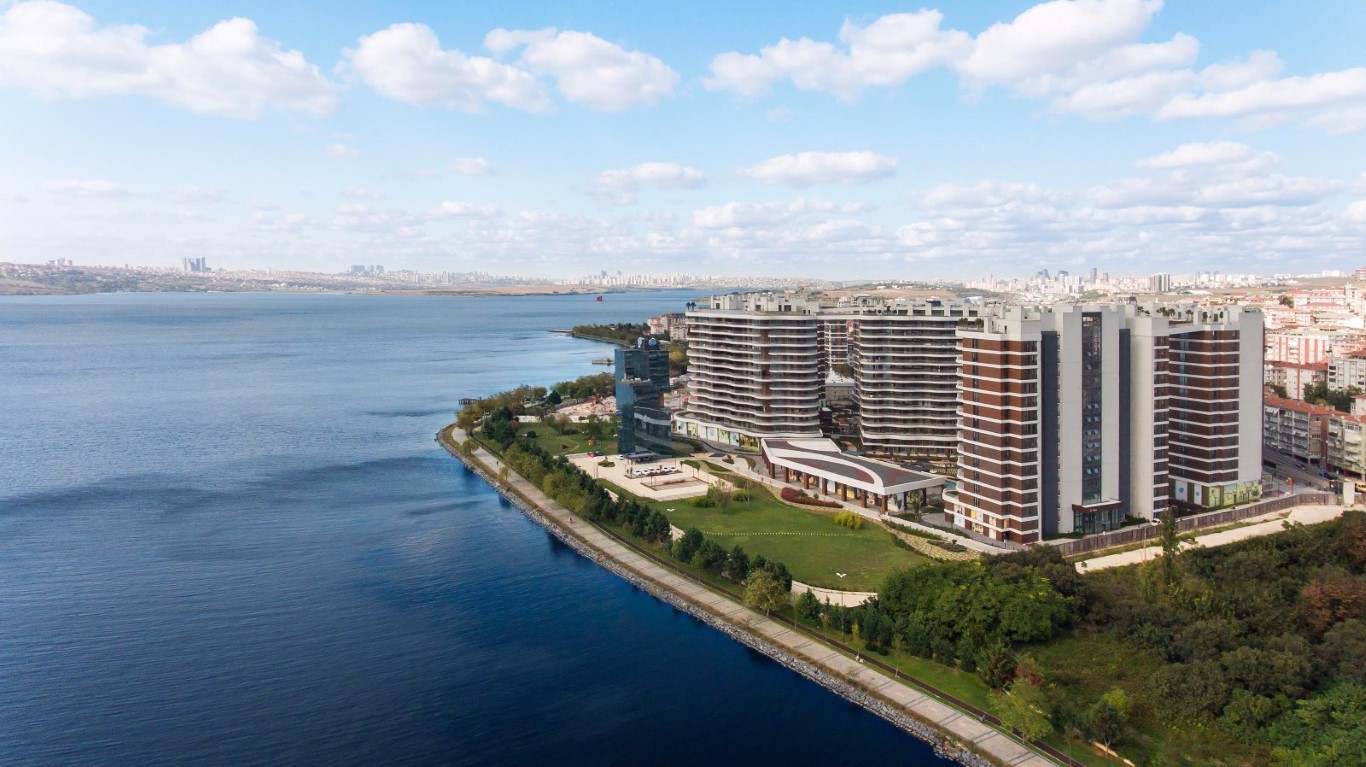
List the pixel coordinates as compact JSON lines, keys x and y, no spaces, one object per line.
{"x":951,"y":721}
{"x":1304,"y":515}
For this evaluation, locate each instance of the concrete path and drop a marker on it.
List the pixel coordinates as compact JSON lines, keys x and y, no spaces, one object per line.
{"x":1305,"y":515}
{"x":958,"y":725}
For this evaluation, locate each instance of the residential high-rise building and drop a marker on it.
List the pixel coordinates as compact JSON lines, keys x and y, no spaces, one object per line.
{"x":755,"y":370}
{"x":905,"y":360}
{"x":1073,"y":417}
{"x":1160,"y":283}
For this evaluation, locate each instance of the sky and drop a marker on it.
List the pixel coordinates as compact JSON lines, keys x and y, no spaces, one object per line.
{"x":813,"y":139}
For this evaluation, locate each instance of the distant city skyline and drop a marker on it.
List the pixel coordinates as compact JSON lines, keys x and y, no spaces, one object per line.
{"x":562,"y":139}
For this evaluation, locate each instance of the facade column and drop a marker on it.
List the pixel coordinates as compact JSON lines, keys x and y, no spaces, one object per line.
{"x":884,"y":504}
{"x":863,"y":498}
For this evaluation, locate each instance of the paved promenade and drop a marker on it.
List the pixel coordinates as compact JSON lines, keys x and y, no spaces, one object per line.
{"x":1305,"y":515}
{"x":987,"y":740}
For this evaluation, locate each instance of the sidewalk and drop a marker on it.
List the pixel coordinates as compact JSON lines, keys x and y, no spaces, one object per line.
{"x":1305,"y":515}
{"x":920,"y":705}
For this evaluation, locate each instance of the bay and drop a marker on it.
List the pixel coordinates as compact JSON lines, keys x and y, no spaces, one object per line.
{"x":227,"y":537}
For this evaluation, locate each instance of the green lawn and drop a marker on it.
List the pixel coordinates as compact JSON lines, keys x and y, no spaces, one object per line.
{"x":562,"y":444}
{"x":812,"y":546}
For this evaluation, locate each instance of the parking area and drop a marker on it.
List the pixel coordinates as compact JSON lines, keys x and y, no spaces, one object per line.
{"x":663,"y":480}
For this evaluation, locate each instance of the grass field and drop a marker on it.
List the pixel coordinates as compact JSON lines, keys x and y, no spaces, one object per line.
{"x":563,"y":444}
{"x":812,"y":546}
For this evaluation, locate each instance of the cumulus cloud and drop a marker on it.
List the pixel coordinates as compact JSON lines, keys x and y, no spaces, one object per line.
{"x":588,"y":69}
{"x":1055,"y":36}
{"x":57,"y":51}
{"x":470,"y":166}
{"x":451,"y":209}
{"x":807,"y":168}
{"x":407,"y":63}
{"x":618,"y":186}
{"x":1084,"y":57}
{"x":97,"y":189}
{"x":884,"y":53}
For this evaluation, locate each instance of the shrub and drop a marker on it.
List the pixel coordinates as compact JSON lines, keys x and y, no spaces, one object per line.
{"x":849,"y":519}
{"x":793,"y":495}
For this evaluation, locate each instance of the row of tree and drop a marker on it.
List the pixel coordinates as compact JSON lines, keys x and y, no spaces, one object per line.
{"x":767,"y":583}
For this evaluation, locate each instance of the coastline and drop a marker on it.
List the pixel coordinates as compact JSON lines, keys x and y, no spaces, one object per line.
{"x":952,"y":733}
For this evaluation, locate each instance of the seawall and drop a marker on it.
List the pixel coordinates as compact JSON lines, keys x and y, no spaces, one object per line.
{"x":954,"y":735}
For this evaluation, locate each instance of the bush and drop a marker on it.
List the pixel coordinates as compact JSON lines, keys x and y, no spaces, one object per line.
{"x":793,"y":495}
{"x":849,"y":519}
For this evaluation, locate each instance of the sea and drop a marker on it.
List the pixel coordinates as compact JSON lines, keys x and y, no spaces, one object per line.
{"x":228,"y":537}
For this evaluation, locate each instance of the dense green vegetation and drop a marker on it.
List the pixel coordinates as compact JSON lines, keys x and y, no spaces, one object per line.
{"x":624,"y":333}
{"x":1338,"y":399}
{"x":588,"y":498}
{"x":1249,"y":654}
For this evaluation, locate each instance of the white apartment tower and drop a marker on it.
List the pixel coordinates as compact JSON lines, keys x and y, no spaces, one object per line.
{"x":905,"y":359}
{"x":754,"y":360}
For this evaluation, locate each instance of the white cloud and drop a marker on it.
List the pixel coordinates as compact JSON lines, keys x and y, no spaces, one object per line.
{"x":884,"y":53}
{"x":195,"y":195}
{"x":463,"y":210}
{"x":407,"y":63}
{"x":807,"y":168}
{"x":1218,"y":153}
{"x":10,"y":198}
{"x":619,"y":185}
{"x":340,"y":151}
{"x":470,"y":166}
{"x":93,"y":189}
{"x":985,"y":194}
{"x":745,"y":214}
{"x":588,"y":69}
{"x":1356,"y":212}
{"x":55,"y":50}
{"x":1055,"y":36}
{"x":1084,"y":56}
{"x":1288,"y":93}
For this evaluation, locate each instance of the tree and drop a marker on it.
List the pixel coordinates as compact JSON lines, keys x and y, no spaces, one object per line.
{"x":996,"y":665}
{"x":688,"y":544}
{"x":914,"y":503}
{"x":1279,"y":390}
{"x":808,"y":606}
{"x":554,"y":398}
{"x":1024,"y":709}
{"x":1170,"y":539}
{"x":737,"y":564}
{"x":503,"y":473}
{"x":1286,"y":301}
{"x":764,"y":592}
{"x":468,"y":446}
{"x":1106,"y":719}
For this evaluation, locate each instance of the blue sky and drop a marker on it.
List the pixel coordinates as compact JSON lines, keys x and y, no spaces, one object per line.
{"x":814,"y":139}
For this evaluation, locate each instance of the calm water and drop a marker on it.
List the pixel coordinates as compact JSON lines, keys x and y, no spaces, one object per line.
{"x":227,"y":537}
